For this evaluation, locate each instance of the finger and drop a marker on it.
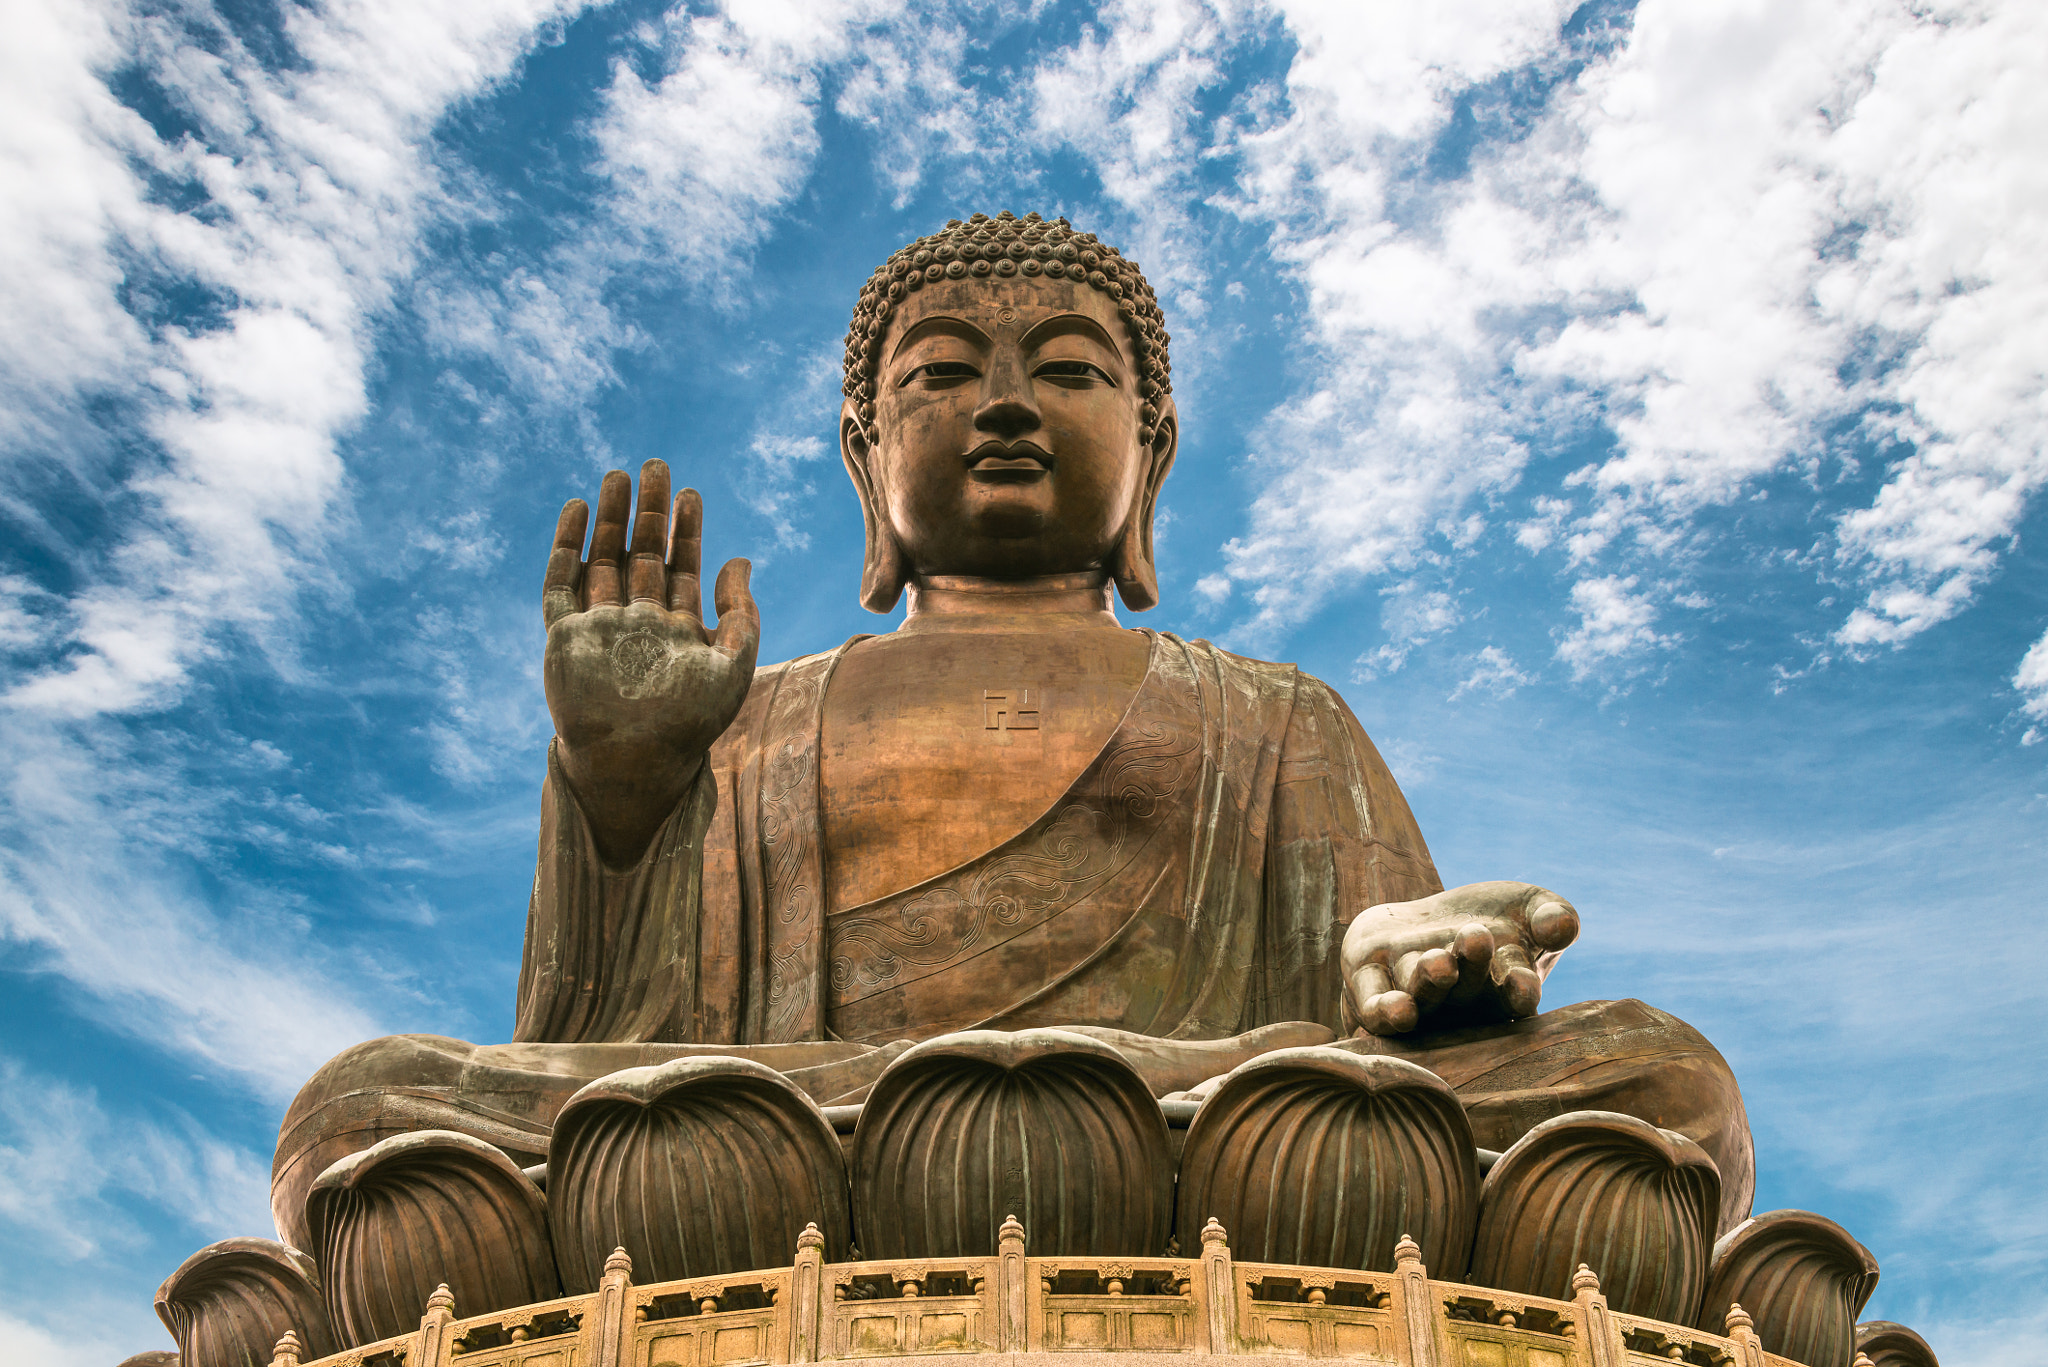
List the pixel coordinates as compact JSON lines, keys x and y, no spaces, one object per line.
{"x":1368,"y":982}
{"x":608,"y":542}
{"x":1553,"y":925}
{"x":685,"y":546}
{"x":739,"y":621}
{"x":1361,"y":986}
{"x":1473,"y":943}
{"x":1391,"y":1013}
{"x":1426,"y":974}
{"x":565,"y":563}
{"x":1519,"y":986}
{"x":646,"y":579}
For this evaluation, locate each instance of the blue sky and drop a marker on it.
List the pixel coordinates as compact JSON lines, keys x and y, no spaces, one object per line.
{"x":1637,"y":412}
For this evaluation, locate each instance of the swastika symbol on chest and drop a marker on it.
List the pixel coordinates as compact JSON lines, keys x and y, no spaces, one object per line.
{"x":1010,"y":709}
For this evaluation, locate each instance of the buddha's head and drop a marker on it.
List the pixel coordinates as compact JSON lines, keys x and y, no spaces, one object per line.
{"x":1008,"y":411}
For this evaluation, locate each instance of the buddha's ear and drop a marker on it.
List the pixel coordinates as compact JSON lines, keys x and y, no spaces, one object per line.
{"x":1137,"y":579}
{"x":884,"y":569}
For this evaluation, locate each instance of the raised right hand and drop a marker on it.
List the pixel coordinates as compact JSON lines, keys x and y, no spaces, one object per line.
{"x":638,"y":687}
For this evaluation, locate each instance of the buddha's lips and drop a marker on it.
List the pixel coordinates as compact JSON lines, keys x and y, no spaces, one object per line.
{"x":1001,"y":462}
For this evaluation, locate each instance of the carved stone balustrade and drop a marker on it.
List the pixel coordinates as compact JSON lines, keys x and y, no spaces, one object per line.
{"x":1055,"y":1127}
{"x":1801,"y":1277}
{"x":422,"y":1210}
{"x":1327,"y":1157}
{"x":1635,"y":1203}
{"x":1084,"y":1309}
{"x":227,"y":1304}
{"x":696,"y":1167}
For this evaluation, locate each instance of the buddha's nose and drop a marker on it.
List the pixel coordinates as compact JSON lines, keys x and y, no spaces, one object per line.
{"x":1007,"y":411}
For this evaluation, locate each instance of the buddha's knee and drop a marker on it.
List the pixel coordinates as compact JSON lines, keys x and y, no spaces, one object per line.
{"x":1621,"y":1056}
{"x":372,"y":1091}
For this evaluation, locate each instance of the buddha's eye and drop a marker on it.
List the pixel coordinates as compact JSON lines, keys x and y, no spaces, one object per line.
{"x":943,"y":372}
{"x":1072,"y":374}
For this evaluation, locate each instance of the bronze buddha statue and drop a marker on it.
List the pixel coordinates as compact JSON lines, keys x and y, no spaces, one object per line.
{"x":1011,"y":811}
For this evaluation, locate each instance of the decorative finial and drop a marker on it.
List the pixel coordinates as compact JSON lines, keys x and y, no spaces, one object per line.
{"x":620,"y":1262}
{"x":1585,"y":1280}
{"x":1863,"y":1360}
{"x":1407,"y":1250}
{"x":286,"y":1354}
{"x":1012,"y":1228}
{"x":1214,"y":1233}
{"x":810,"y":1238}
{"x":1738,"y":1318}
{"x":442,"y":1299}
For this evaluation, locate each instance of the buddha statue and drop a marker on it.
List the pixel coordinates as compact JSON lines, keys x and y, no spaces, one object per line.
{"x":1012,"y":811}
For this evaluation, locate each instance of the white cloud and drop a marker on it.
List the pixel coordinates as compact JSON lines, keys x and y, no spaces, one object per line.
{"x":1125,"y":96}
{"x":72,"y":1172}
{"x":90,"y":889}
{"x":311,"y":189}
{"x":2031,"y":679}
{"x":701,"y":158}
{"x":1738,"y":228}
{"x":62,"y":1156}
{"x":1493,"y":671}
{"x":788,"y":451}
{"x":1615,"y":622}
{"x":294,"y":199}
{"x":1411,"y":615}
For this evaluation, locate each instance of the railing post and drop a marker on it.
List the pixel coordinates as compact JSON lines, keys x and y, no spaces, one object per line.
{"x":433,"y":1345}
{"x":1601,"y":1331}
{"x":806,"y":1296}
{"x":1013,"y":1305}
{"x":1748,"y":1346}
{"x":607,"y":1328}
{"x":1419,"y":1313}
{"x":286,"y":1354}
{"x":1219,"y":1289}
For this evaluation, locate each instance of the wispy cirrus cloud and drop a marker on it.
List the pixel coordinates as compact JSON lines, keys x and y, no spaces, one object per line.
{"x":202,"y":240}
{"x":75,"y":1175}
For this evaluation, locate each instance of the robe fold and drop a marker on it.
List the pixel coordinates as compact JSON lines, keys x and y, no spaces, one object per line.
{"x":1193,"y":882}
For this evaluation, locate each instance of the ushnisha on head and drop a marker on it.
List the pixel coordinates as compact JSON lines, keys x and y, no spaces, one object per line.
{"x":1008,"y":413}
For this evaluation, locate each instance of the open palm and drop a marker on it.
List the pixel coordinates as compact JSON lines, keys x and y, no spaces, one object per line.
{"x":638,"y":686}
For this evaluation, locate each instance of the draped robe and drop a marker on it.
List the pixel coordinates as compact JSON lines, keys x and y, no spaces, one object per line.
{"x":1193,"y":881}
{"x":1186,"y":898}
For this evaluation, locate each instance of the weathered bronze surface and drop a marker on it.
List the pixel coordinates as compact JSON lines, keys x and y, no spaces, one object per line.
{"x":696,"y":1167}
{"x":1606,"y":1191}
{"x":1593,"y":1056}
{"x":1011,"y":811}
{"x":1052,"y":1127}
{"x":1802,"y":1278}
{"x":1320,"y":1156}
{"x":1120,"y":863}
{"x":228,"y":1304}
{"x":432,"y":1208}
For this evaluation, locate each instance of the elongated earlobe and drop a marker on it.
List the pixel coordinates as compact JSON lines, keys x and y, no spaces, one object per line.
{"x":884,"y":570}
{"x":1133,"y":569}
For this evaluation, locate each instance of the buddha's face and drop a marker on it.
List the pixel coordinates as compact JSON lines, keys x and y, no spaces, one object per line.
{"x":1007,"y":414}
